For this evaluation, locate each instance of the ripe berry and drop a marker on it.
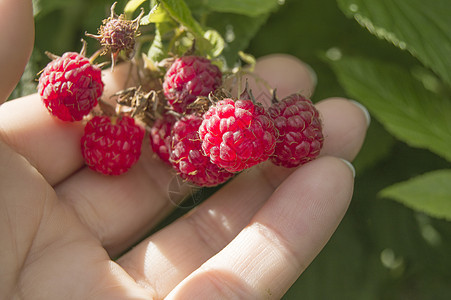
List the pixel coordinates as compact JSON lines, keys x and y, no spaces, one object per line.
{"x":188,"y":78}
{"x":300,"y":131}
{"x":111,"y":146}
{"x":187,"y":156}
{"x":160,"y":135}
{"x":237,"y":134}
{"x":70,"y":86}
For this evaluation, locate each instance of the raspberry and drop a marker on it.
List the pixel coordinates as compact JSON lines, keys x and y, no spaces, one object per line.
{"x":111,"y":146}
{"x":300,"y":131}
{"x":237,"y":134}
{"x":187,"y":157}
{"x":188,"y":78}
{"x":70,"y":86}
{"x":160,"y":135}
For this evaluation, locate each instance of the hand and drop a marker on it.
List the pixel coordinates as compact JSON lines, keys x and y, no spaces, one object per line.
{"x":61,"y":223}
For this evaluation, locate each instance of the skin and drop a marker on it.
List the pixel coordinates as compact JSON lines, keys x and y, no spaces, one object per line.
{"x":61,"y":224}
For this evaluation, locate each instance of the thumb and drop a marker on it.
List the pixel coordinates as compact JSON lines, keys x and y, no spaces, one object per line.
{"x":17,"y":38}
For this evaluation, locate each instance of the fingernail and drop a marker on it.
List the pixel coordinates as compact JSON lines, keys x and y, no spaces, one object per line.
{"x":365,"y":111}
{"x":312,"y":73}
{"x":351,"y":167}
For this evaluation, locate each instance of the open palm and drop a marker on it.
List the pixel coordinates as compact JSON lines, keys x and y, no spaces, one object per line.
{"x":61,"y":223}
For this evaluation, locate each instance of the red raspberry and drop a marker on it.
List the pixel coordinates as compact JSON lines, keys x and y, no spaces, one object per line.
{"x":160,"y":135}
{"x":237,"y":134}
{"x":112,"y":146}
{"x":300,"y":131}
{"x":187,"y":156}
{"x":190,"y":77}
{"x":70,"y":86}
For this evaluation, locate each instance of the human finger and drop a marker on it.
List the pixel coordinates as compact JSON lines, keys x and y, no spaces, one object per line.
{"x":17,"y":36}
{"x":99,"y":202}
{"x":280,"y":73}
{"x":180,"y":248}
{"x":345,"y":123}
{"x":42,"y":241}
{"x":51,"y":146}
{"x":119,"y":210}
{"x":281,"y":240}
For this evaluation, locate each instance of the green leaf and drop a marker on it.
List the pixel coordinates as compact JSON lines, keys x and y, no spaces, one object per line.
{"x":181,"y":12}
{"x":250,"y":8}
{"x":159,"y":49}
{"x":409,"y":111}
{"x":421,"y":27}
{"x":132,"y":6}
{"x":43,"y":7}
{"x":156,"y":15}
{"x":429,"y":193}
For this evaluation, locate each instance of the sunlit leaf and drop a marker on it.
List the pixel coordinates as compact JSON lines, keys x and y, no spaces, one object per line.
{"x":156,"y":15}
{"x":429,"y":193}
{"x":409,"y":111}
{"x":421,"y":27}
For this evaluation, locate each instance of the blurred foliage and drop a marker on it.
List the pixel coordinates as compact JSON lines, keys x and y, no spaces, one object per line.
{"x":382,"y":250}
{"x":391,"y":55}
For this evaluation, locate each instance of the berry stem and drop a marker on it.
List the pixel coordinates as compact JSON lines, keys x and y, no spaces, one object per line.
{"x":95,"y":55}
{"x":51,"y":55}
{"x":274,"y":98}
{"x":84,"y":48}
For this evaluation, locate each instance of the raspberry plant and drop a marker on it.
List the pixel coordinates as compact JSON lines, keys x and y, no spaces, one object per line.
{"x":194,"y":122}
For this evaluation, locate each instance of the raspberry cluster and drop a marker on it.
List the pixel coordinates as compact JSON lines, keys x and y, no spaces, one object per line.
{"x":193,"y":123}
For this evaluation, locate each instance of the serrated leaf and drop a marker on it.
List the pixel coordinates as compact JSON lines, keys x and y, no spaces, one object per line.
{"x":421,"y":27}
{"x":400,"y":102}
{"x":250,"y":8}
{"x":429,"y":193}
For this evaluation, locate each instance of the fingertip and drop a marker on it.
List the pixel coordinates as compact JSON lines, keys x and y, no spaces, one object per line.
{"x":344,"y":127}
{"x":281,"y":72}
{"x":17,"y":36}
{"x":349,"y":165}
{"x":364,"y":110}
{"x":287,"y":74}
